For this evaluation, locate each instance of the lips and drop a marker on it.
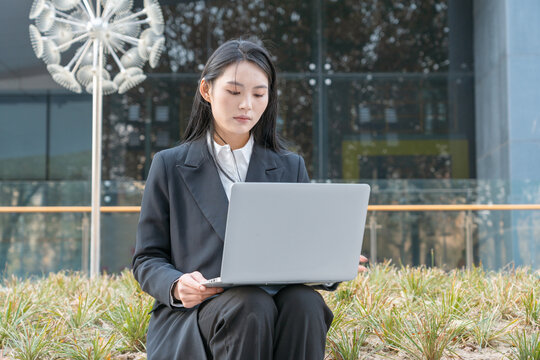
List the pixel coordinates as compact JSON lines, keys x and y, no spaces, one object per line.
{"x":242,"y":118}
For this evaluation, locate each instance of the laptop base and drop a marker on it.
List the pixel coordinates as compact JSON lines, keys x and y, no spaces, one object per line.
{"x":216,"y":282}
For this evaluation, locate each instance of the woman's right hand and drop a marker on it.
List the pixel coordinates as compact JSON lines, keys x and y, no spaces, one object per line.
{"x":191,"y":292}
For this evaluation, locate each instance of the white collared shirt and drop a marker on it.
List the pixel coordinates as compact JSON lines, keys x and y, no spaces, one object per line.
{"x":225,"y":159}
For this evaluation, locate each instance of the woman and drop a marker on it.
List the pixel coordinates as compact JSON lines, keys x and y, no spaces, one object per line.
{"x":231,"y":136}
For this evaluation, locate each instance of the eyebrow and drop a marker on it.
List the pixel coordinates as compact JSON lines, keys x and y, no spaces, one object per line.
{"x":242,"y":85}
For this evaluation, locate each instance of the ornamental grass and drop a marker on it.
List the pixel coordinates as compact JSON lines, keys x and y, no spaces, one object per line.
{"x":390,"y":312}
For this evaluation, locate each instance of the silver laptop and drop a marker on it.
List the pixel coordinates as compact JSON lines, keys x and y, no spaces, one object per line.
{"x":289,"y":233}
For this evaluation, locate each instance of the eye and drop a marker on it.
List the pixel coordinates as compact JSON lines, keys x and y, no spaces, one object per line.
{"x":233,"y":92}
{"x":259,"y":95}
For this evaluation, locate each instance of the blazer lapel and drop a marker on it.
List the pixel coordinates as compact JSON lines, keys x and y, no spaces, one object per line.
{"x":263,"y":166}
{"x":202,"y":179}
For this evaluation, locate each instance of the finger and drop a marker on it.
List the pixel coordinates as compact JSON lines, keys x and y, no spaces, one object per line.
{"x":192,"y":300}
{"x":198,"y":276}
{"x":363,"y":259}
{"x":200,"y":279}
{"x":184,"y":291}
{"x":204,"y":296}
{"x":192,"y":297}
{"x":187,"y":281}
{"x":208,"y":291}
{"x":362,"y":268}
{"x":211,"y":291}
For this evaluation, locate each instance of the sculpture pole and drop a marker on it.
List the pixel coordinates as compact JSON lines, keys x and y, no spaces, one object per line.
{"x":97,"y":120}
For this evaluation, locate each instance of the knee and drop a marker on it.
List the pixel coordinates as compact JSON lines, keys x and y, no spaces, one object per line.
{"x":302,"y":302}
{"x":252,"y":302}
{"x":301,"y":297}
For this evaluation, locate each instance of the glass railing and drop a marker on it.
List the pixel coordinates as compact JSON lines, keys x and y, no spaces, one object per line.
{"x":38,"y":242}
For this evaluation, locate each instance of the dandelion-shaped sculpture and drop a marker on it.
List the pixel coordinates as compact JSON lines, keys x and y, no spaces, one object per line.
{"x":98,"y":29}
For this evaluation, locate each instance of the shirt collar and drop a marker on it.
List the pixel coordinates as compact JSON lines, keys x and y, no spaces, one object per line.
{"x":244,"y":151}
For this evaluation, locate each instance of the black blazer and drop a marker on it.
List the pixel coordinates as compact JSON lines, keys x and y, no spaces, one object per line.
{"x":182,"y":227}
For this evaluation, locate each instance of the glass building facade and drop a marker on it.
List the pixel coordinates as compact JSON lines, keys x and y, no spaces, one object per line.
{"x":384,"y":92}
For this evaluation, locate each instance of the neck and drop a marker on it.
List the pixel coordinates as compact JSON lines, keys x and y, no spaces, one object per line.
{"x":235,"y":142}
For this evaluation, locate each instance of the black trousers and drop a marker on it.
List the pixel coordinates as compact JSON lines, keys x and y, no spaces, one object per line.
{"x":248,"y":323}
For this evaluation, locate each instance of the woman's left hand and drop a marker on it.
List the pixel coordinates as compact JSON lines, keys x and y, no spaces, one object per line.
{"x":362,"y":268}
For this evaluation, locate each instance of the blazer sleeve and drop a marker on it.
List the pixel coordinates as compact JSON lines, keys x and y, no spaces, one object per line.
{"x":304,"y":178}
{"x":152,"y":265}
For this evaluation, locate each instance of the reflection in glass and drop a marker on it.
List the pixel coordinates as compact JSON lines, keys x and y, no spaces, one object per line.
{"x":37,"y":243}
{"x":387,"y":36}
{"x":379,"y":129}
{"x":195,"y":28}
{"x":23,"y":121}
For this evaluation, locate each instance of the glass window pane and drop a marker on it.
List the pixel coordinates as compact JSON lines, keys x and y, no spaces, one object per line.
{"x":36,"y":244}
{"x":70,"y":137}
{"x":381,"y":36}
{"x":196,"y":28}
{"x":117,"y":241}
{"x":295,"y":120}
{"x":395,"y":127}
{"x":143,"y":121}
{"x":23,"y":137}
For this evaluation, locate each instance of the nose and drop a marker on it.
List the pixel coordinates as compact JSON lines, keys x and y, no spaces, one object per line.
{"x":246,"y":102}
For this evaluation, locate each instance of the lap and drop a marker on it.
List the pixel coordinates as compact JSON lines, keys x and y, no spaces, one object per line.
{"x":235,"y":301}
{"x":299,"y":302}
{"x":236,"y":297}
{"x":299,"y":295}
{"x":293,"y":295}
{"x":295,"y":313}
{"x":300,"y":298}
{"x":174,"y":334}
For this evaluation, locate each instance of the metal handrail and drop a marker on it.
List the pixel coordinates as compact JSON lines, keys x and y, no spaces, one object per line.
{"x":67,"y":209}
{"x":454,"y":207}
{"x":134,"y":209}
{"x":371,"y":223}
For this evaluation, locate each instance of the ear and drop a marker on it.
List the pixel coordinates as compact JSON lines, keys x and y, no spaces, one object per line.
{"x":204,"y":89}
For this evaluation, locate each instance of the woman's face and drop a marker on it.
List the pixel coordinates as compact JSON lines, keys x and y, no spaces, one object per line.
{"x":238,"y":99}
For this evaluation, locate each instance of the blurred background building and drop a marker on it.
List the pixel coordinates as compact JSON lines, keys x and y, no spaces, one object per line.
{"x":429,"y":101}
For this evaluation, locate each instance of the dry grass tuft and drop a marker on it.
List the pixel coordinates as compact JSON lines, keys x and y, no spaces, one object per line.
{"x":387,"y":313}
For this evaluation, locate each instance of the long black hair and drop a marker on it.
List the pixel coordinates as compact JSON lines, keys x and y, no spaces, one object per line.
{"x":234,"y":51}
